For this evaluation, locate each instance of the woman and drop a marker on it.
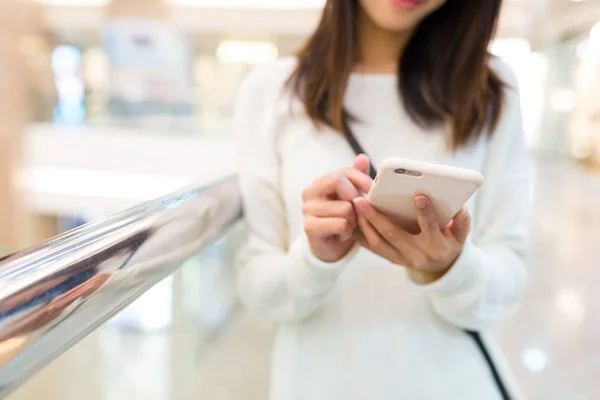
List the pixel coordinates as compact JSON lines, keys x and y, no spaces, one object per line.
{"x":364,"y":309}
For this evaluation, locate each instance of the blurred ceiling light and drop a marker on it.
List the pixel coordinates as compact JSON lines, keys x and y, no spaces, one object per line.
{"x":246,"y":52}
{"x":534,"y":359}
{"x":563,"y":100}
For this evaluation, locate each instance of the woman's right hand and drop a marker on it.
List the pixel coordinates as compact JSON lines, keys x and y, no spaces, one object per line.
{"x":329,"y":216}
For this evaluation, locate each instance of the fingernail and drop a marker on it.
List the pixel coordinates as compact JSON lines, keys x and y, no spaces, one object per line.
{"x":466,"y":216}
{"x":359,"y":205}
{"x":421,"y":202}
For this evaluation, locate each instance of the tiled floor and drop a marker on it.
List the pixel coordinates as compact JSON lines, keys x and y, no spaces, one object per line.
{"x":552,"y":342}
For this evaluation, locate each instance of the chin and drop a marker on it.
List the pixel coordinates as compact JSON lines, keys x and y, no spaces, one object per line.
{"x":394,"y":18}
{"x":393,"y":23}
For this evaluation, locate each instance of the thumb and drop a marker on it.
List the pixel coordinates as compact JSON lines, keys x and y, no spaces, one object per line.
{"x":461,"y":225}
{"x":362,"y":163}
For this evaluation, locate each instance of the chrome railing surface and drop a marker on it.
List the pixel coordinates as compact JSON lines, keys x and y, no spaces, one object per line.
{"x":53,"y":295}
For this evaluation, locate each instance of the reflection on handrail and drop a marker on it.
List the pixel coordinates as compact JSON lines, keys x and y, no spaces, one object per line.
{"x":53,"y":295}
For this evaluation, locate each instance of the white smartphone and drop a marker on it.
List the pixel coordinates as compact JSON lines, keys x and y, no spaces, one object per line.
{"x":399,"y":180}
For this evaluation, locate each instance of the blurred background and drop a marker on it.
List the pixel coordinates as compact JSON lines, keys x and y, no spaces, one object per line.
{"x":108,"y":103}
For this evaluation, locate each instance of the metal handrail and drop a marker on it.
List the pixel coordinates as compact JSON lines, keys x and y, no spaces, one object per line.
{"x":56,"y":293}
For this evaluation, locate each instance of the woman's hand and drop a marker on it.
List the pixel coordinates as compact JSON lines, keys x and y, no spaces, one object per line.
{"x":329,"y":217}
{"x":429,"y":254}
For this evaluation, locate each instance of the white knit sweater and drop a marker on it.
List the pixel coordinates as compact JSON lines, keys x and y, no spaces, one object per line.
{"x":360,"y":328}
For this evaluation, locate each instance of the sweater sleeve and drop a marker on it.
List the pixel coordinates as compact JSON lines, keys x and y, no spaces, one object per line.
{"x":278,"y":280}
{"x":489,"y":277}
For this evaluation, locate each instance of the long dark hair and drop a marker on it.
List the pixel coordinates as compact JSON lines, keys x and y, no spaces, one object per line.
{"x":444,"y":75}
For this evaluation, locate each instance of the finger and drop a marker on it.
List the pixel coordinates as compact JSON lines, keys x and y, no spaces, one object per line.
{"x":360,"y":238}
{"x":461,"y":225}
{"x":345,"y":184}
{"x":323,"y":228}
{"x":369,"y":238}
{"x":330,"y":208}
{"x":428,"y":220}
{"x":398,"y":238}
{"x":361,"y":180}
{"x":387,"y":229}
{"x":328,"y":187}
{"x":362,"y":163}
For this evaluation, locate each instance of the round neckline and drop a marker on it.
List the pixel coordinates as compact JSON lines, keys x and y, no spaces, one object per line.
{"x":357,"y":78}
{"x":372,"y":75}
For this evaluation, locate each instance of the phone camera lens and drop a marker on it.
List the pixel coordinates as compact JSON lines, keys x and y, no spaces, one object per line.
{"x":400,"y":171}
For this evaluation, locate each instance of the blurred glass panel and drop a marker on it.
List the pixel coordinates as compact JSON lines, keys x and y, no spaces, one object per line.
{"x":209,"y":73}
{"x":149,"y":65}
{"x":530,"y":68}
{"x":552,"y":140}
{"x":584,"y":138}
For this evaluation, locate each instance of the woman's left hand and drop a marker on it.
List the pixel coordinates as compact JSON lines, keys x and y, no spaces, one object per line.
{"x":429,"y":254}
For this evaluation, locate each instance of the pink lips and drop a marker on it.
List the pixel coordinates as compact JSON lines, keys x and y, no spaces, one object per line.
{"x":406,"y":4}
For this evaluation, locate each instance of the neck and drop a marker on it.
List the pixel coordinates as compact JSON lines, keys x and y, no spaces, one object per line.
{"x":379,"y":50}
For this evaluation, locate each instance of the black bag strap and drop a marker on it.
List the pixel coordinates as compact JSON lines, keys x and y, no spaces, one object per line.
{"x":359,"y":150}
{"x":476,"y":336}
